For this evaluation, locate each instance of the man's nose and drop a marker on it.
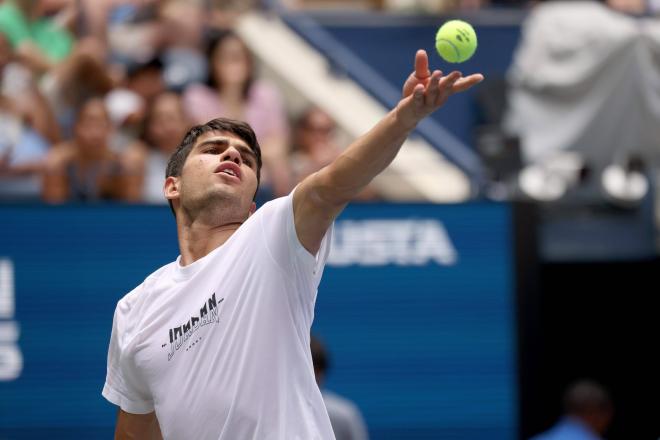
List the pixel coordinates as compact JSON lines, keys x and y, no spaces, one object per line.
{"x":232,"y":154}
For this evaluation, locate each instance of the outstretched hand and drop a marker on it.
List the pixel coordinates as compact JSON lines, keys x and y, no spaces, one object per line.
{"x":425,"y":92}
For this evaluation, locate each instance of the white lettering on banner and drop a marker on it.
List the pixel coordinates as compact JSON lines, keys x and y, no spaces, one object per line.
{"x":11,"y":359}
{"x":6,"y":289}
{"x":411,"y":242}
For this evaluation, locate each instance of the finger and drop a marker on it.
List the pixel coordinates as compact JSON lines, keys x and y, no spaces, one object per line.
{"x":422,"y":65}
{"x":418,"y":95}
{"x":433,"y":90}
{"x":446,"y":88}
{"x":448,"y":81}
{"x":465,"y":83}
{"x":409,"y":85}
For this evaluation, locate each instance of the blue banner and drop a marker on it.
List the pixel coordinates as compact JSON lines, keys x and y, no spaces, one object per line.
{"x":416,"y":308}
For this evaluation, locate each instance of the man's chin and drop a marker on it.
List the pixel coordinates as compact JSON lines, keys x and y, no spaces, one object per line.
{"x":227,"y":199}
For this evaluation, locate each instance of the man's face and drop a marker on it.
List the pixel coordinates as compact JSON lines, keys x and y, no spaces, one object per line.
{"x":93,"y":128}
{"x":231,"y":62}
{"x":316,"y":131}
{"x":220,"y":172}
{"x":167,"y":124}
{"x":148,"y":83}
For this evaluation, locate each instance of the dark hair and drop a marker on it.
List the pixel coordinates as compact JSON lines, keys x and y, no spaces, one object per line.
{"x":320,"y":357}
{"x":238,"y":128}
{"x":93,"y":99}
{"x":586,"y":396}
{"x":215,"y":42}
{"x":302,"y":121}
{"x":136,"y":68}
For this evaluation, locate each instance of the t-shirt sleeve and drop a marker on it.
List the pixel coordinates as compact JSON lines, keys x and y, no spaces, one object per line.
{"x":123,"y":384}
{"x":282,"y":241}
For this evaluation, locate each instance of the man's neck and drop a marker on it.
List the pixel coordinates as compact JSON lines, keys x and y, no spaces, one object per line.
{"x":198,"y":240}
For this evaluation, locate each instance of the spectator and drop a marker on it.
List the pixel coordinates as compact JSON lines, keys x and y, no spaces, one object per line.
{"x":22,"y":152}
{"x":234,"y":92}
{"x":634,"y":7}
{"x":127,"y":104}
{"x":26,"y":126}
{"x":345,"y":417}
{"x":223,"y":14}
{"x":20,"y":95}
{"x":314,"y":143}
{"x":145,"y":162}
{"x":315,"y":146}
{"x":130,"y":29}
{"x":38,"y":39}
{"x":136,"y":32}
{"x":146,"y":79}
{"x":82,"y":75}
{"x":570,"y":90}
{"x":85,"y":169}
{"x":587,"y":414}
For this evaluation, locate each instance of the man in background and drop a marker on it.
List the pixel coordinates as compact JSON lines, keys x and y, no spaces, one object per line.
{"x":345,"y":417}
{"x":587,"y":414}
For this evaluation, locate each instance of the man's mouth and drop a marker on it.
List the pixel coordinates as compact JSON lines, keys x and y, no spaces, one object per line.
{"x":230,"y":169}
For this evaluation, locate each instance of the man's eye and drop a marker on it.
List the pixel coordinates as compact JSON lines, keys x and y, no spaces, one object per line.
{"x":247,"y":162}
{"x":213,"y":150}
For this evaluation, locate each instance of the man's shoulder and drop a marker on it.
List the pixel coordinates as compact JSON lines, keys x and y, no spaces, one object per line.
{"x":279,"y":208}
{"x":277,"y":203}
{"x":339,"y":405}
{"x":134,"y":307}
{"x":141,"y":291}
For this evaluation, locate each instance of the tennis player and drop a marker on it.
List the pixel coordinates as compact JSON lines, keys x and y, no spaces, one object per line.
{"x":216,"y":344}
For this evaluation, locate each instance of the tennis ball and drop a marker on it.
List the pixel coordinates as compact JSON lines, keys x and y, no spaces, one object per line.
{"x":456,"y":41}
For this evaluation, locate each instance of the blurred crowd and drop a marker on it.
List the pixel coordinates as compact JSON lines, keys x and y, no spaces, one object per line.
{"x":415,"y":6}
{"x":96,"y":94}
{"x":462,"y":6}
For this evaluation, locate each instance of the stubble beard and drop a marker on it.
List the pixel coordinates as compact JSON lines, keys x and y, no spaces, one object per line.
{"x":216,"y":208}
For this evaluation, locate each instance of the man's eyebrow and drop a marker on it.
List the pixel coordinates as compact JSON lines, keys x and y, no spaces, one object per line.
{"x":244,"y":149}
{"x":214,"y":141}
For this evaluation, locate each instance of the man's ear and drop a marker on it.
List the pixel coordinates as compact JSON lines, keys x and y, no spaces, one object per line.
{"x":171,"y":188}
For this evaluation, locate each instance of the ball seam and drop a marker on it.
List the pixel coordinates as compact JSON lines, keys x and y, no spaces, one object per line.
{"x":458,"y":54}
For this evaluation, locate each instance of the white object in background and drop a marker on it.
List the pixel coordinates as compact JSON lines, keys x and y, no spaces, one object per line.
{"x":541,"y":184}
{"x":11,"y":359}
{"x":627,"y":187}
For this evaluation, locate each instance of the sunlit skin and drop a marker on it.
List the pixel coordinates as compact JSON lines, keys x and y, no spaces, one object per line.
{"x":210,"y":204}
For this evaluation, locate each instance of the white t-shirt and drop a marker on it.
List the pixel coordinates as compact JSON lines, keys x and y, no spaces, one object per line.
{"x":220,"y":348}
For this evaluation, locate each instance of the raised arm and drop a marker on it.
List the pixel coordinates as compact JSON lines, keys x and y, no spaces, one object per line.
{"x":320,"y":198}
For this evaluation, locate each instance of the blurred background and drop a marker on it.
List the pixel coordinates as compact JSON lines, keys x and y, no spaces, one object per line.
{"x":495,"y":282}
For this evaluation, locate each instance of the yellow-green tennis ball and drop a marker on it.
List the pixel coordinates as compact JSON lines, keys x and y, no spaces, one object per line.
{"x":456,"y":41}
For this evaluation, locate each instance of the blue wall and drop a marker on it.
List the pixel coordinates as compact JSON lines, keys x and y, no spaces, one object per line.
{"x":416,"y":309}
{"x":388,"y":45}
